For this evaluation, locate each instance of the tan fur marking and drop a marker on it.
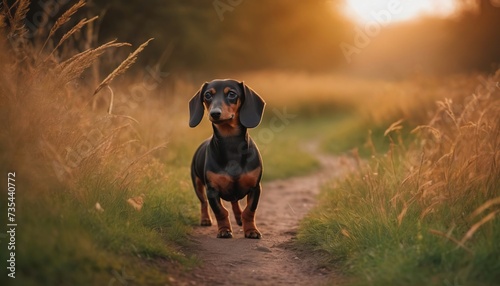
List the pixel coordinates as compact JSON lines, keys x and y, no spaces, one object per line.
{"x":221,"y":182}
{"x":237,"y":211}
{"x":207,"y":104}
{"x":223,"y":223}
{"x":200,"y":190}
{"x":249,"y":228}
{"x":230,"y":128}
{"x":199,"y":185}
{"x":250,"y":179}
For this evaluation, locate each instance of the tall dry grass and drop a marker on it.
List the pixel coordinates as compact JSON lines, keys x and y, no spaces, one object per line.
{"x":78,"y":163}
{"x":49,"y":127}
{"x":460,"y":152}
{"x":424,"y":213}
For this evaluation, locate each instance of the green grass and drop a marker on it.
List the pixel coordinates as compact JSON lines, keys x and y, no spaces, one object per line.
{"x":411,"y":215}
{"x":284,"y":149}
{"x":77,"y":245}
{"x":281,"y":143}
{"x":62,"y":239}
{"x":284,"y":158}
{"x":360,"y":236}
{"x":353,"y":132}
{"x":65,"y":241}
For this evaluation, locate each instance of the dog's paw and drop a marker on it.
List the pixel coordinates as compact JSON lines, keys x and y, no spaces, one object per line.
{"x":225,"y":233}
{"x":206,"y":222}
{"x":254,"y":234}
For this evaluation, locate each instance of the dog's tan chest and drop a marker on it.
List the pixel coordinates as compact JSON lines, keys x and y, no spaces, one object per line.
{"x":220,"y":181}
{"x":227,"y":184}
{"x":250,"y":179}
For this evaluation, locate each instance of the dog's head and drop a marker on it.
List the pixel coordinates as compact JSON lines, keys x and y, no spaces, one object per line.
{"x":227,"y":102}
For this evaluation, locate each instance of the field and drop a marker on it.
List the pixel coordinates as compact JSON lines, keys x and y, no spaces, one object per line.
{"x":423,"y":212}
{"x":101,"y":162}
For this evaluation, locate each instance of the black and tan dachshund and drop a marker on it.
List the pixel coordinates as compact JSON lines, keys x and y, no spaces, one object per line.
{"x":228,"y":165}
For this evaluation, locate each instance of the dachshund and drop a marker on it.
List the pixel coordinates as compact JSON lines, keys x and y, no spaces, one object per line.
{"x":228,"y":165}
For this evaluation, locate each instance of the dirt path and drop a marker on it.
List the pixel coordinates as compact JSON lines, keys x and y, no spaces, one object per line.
{"x":272,"y":260}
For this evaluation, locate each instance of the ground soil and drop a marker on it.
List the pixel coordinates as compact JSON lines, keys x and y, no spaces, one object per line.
{"x":275,"y":259}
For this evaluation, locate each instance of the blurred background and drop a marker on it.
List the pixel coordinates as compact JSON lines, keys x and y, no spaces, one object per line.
{"x":377,"y":38}
{"x":357,"y":78}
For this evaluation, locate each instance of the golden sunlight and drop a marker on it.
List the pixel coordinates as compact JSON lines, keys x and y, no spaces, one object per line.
{"x":400,"y":10}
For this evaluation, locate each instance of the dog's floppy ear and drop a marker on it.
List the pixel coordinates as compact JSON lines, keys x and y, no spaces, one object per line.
{"x":252,"y":109}
{"x":196,"y":108}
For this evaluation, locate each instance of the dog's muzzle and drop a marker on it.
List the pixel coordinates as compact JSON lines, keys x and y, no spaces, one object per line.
{"x":215,"y":113}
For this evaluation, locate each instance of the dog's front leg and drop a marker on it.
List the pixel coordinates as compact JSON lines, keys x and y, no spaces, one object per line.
{"x":221,"y":214}
{"x":248,"y":216}
{"x":237,"y":211}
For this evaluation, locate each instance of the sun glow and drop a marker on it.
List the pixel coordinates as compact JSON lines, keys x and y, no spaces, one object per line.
{"x":402,"y":10}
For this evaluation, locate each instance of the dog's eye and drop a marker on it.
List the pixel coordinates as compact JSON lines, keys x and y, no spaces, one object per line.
{"x":208,"y":95}
{"x":231,"y":95}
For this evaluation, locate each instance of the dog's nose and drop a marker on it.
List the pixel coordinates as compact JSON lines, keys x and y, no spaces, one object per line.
{"x":216,"y":113}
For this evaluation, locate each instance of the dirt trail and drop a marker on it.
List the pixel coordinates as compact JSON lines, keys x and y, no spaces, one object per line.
{"x":271,"y":260}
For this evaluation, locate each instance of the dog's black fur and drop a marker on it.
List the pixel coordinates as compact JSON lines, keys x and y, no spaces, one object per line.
{"x":228,"y":165}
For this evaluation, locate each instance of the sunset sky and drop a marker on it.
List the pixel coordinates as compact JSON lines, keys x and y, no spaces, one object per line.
{"x":363,"y":10}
